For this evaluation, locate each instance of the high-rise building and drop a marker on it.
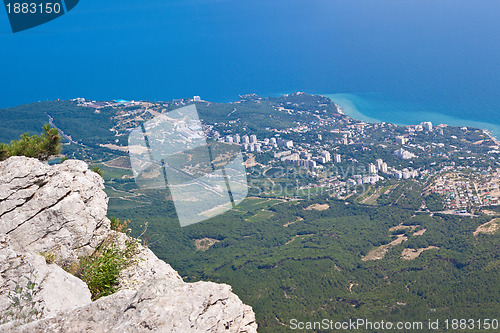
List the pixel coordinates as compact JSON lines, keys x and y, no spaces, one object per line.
{"x":245,"y":139}
{"x":273,"y":142}
{"x":383,"y":168}
{"x":338,"y":158}
{"x":379,"y":163}
{"x":236,"y":138}
{"x":372,"y":169}
{"x":327,"y":156}
{"x":229,"y":139}
{"x":427,"y":126}
{"x":253,"y":138}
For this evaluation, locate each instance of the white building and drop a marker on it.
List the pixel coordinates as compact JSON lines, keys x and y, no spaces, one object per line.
{"x":371,"y":179}
{"x":290,"y":158}
{"x":427,"y":126}
{"x":282,"y":153}
{"x":406,"y":155}
{"x":338,"y":158}
{"x":401,"y":140}
{"x":372,"y":169}
{"x":253,"y":138}
{"x":245,"y":139}
{"x":397,"y":174}
{"x":327,"y":156}
{"x":236,"y":138}
{"x":196,"y":99}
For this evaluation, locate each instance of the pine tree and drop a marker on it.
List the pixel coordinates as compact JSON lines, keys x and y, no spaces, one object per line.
{"x":41,"y":147}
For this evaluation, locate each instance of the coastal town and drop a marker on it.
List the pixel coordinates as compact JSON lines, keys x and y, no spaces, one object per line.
{"x":329,"y":152}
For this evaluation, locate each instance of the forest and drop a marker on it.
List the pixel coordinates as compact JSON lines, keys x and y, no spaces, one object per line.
{"x":289,"y":261}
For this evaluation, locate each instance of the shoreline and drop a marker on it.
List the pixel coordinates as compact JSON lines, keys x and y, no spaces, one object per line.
{"x":493,"y":138}
{"x":346,"y":102}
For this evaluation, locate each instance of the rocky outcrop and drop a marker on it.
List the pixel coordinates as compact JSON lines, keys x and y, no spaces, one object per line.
{"x":60,"y":208}
{"x":56,"y":291}
{"x":159,"y":305}
{"x":59,"y":212}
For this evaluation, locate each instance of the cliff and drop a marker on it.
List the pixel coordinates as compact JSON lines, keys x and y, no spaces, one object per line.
{"x":51,"y":217}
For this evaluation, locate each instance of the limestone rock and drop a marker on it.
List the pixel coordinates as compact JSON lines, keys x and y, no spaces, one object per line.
{"x":158,"y":306}
{"x":56,"y":290}
{"x":61,"y":211}
{"x":148,"y":267}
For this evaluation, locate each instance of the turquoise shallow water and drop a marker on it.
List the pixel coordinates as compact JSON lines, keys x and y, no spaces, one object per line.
{"x":378,"y":108}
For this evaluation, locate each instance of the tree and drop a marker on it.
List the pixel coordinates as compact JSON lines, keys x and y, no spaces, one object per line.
{"x":41,"y":147}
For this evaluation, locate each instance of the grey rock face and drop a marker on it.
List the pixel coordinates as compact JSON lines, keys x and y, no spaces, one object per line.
{"x":56,"y":289}
{"x":61,"y":210}
{"x":161,"y":306}
{"x":148,"y":267}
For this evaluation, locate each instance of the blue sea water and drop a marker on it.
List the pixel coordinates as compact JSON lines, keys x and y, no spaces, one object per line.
{"x":400,"y":61}
{"x":376,"y":108}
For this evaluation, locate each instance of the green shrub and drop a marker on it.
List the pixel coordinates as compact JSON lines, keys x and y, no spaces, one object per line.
{"x":50,"y":257}
{"x":97,"y":170}
{"x":101,"y":270}
{"x":118,"y":225}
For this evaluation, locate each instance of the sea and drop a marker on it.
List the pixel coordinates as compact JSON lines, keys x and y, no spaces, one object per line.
{"x":388,"y":60}
{"x":377,"y":107}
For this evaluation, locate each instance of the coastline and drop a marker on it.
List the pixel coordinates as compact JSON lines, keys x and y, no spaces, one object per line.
{"x":359,"y":108}
{"x":493,"y":138}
